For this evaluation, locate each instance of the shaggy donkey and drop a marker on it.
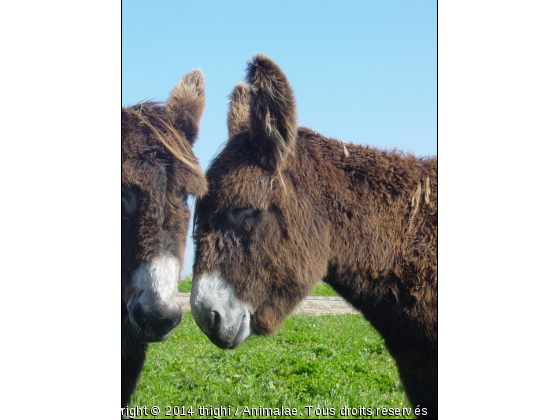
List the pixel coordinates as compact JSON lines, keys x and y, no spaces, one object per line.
{"x":288,"y":207}
{"x":159,"y":172}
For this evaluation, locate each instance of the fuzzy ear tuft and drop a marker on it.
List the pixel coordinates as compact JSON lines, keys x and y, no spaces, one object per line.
{"x":272,"y":115}
{"x":186,"y":104}
{"x":238,"y":112}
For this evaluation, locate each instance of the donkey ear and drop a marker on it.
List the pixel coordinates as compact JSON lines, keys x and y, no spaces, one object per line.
{"x":238,"y":112}
{"x":272,"y":113}
{"x":186,"y":104}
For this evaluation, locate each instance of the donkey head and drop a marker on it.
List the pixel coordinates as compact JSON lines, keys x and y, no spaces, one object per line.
{"x":159,"y":172}
{"x":261,"y":237}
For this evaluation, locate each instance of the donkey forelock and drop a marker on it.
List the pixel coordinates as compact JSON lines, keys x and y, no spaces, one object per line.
{"x":153,"y":116}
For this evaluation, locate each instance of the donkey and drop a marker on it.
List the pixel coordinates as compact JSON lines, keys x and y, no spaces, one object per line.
{"x":159,"y":172}
{"x":288,"y":207}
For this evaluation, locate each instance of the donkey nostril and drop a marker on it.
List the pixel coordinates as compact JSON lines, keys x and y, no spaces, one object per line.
{"x":213,"y":319}
{"x":141,"y":315}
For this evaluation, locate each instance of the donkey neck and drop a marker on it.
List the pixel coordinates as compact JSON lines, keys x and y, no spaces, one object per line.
{"x":373,"y":201}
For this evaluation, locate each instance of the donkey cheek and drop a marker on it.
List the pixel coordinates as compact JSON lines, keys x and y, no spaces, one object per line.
{"x":265,"y":322}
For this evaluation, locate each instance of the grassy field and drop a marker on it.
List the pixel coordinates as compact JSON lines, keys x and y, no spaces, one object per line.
{"x":327,"y":362}
{"x":321,"y":289}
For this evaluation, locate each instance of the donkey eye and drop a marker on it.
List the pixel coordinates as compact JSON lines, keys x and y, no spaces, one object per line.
{"x":129,"y":202}
{"x":237,"y":216}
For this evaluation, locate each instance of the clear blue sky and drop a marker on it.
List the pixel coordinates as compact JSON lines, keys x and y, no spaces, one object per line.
{"x":362,"y":71}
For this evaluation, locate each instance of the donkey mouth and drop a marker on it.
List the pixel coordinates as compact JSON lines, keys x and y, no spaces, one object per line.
{"x":147,"y":335}
{"x":236,"y":341}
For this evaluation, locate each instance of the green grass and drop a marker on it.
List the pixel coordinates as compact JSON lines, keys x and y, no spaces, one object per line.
{"x":325,"y":362}
{"x":186,"y":285}
{"x":322,"y":289}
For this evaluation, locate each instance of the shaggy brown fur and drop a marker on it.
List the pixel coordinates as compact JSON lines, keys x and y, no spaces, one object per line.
{"x":363,"y":220}
{"x":159,"y":172}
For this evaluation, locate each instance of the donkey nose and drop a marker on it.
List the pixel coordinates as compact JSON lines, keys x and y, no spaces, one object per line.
{"x":159,"y":319}
{"x":167,"y":314}
{"x":209,"y":318}
{"x":213,"y":320}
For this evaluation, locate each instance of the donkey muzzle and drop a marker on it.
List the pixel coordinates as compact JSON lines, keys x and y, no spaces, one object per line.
{"x":153,"y":323}
{"x":218,"y":312}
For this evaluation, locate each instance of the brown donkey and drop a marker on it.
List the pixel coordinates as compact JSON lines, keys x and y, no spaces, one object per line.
{"x":159,"y":172}
{"x":288,"y":207}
